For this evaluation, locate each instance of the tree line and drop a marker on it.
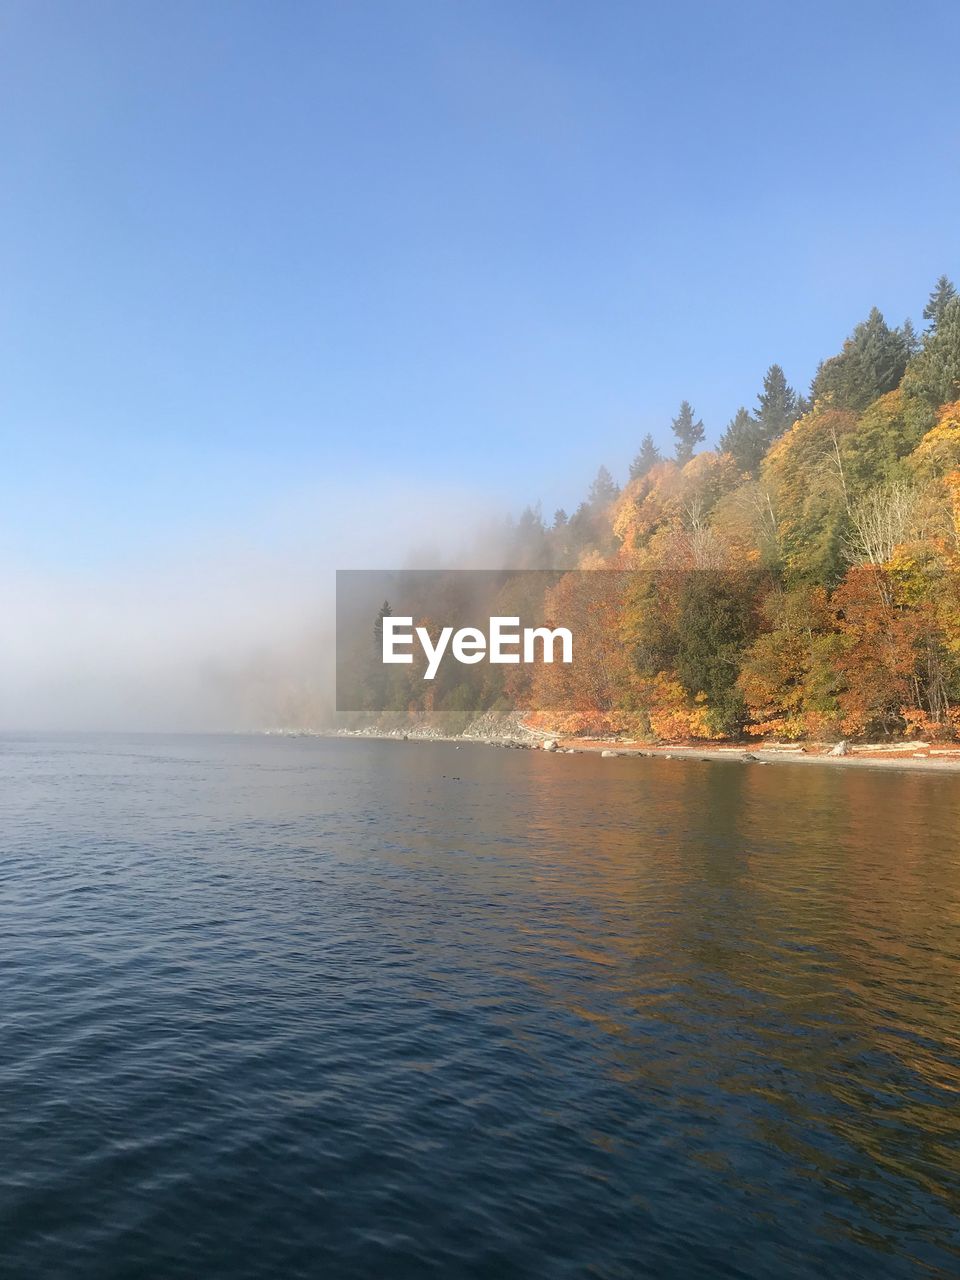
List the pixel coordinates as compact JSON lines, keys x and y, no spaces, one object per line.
{"x":800,"y":580}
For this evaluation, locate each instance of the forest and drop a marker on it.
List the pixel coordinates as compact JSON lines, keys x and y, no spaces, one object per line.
{"x":801,"y":580}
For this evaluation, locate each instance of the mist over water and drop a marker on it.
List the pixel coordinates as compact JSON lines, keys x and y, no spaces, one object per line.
{"x":230,"y":628}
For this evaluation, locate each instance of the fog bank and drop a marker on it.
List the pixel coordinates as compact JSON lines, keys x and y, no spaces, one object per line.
{"x":232,"y":632}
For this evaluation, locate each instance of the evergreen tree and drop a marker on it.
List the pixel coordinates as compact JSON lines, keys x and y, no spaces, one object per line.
{"x":559,"y":518}
{"x":943,"y":293}
{"x":778,"y":406}
{"x":385,"y":612}
{"x":934,"y":376}
{"x":530,"y":546}
{"x":689,"y":432}
{"x":531,"y":521}
{"x":716,"y":622}
{"x":580,"y":529}
{"x":742,"y":440}
{"x":911,"y":339}
{"x":647,"y":458}
{"x":871,"y":363}
{"x":603,"y":490}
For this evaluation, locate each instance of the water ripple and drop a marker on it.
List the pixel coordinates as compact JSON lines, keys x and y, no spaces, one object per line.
{"x":295,"y":1008}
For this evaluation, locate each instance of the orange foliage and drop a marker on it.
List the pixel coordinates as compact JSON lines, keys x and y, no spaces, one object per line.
{"x":587,"y":694}
{"x":938,"y":452}
{"x":878,"y":659}
{"x":673,"y":716}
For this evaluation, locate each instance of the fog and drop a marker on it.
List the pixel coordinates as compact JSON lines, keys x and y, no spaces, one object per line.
{"x":231,"y":630}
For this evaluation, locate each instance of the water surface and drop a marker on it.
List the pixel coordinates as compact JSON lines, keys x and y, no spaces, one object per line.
{"x":284,"y":1008}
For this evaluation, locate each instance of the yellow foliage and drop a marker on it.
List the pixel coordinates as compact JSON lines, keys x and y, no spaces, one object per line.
{"x":938,"y":453}
{"x":668,"y":500}
{"x":671,"y":714}
{"x":644,"y":504}
{"x":952,"y":482}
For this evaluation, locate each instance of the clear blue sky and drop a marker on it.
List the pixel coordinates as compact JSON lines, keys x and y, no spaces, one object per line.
{"x":245,"y":247}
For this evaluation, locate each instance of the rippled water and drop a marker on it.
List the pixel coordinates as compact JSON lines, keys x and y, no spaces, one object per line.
{"x":283,"y":1008}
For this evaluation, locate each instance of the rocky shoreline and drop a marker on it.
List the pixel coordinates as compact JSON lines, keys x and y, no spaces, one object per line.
{"x":908,"y":755}
{"x":510,"y":732}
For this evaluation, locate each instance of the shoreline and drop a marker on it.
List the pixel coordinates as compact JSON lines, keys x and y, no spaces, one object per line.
{"x":917,"y":756}
{"x":866,"y":756}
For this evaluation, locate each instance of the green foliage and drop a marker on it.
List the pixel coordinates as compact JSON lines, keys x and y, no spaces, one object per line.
{"x":943,"y":293}
{"x":603,"y":491}
{"x":529,"y":546}
{"x":805,"y":475}
{"x":647,"y":458}
{"x":385,"y":612}
{"x":788,"y":676}
{"x":715,"y":624}
{"x":749,"y":436}
{"x":689,"y":432}
{"x":778,"y":407}
{"x":871,"y":454}
{"x":871,"y":363}
{"x":933,"y":378}
{"x":742,"y":441}
{"x":802,"y":582}
{"x":911,"y":339}
{"x":697,"y":625}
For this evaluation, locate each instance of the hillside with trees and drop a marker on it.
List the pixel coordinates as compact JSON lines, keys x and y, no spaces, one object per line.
{"x":800,"y":580}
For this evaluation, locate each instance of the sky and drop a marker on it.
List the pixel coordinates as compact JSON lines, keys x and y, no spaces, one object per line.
{"x":282,"y":279}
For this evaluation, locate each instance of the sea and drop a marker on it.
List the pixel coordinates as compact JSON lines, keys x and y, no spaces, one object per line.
{"x":302,"y":1007}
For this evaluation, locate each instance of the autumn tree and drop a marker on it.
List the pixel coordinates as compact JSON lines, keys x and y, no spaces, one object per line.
{"x":806,"y":474}
{"x":938,"y":453}
{"x":885,"y":434}
{"x":788,"y":676}
{"x":883,"y":520}
{"x":802,"y":581}
{"x":877,"y":660}
{"x":587,"y":695}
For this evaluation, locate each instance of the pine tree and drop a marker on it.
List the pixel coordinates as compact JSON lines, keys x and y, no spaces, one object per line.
{"x":385,"y":612}
{"x":559,"y":518}
{"x":689,"y":432}
{"x":647,"y":458}
{"x":934,"y":376}
{"x":580,"y":528}
{"x":742,"y":440}
{"x":911,"y":339}
{"x":777,"y":406}
{"x":942,"y":293}
{"x":603,"y":490}
{"x":529,"y":539}
{"x":871,"y":363}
